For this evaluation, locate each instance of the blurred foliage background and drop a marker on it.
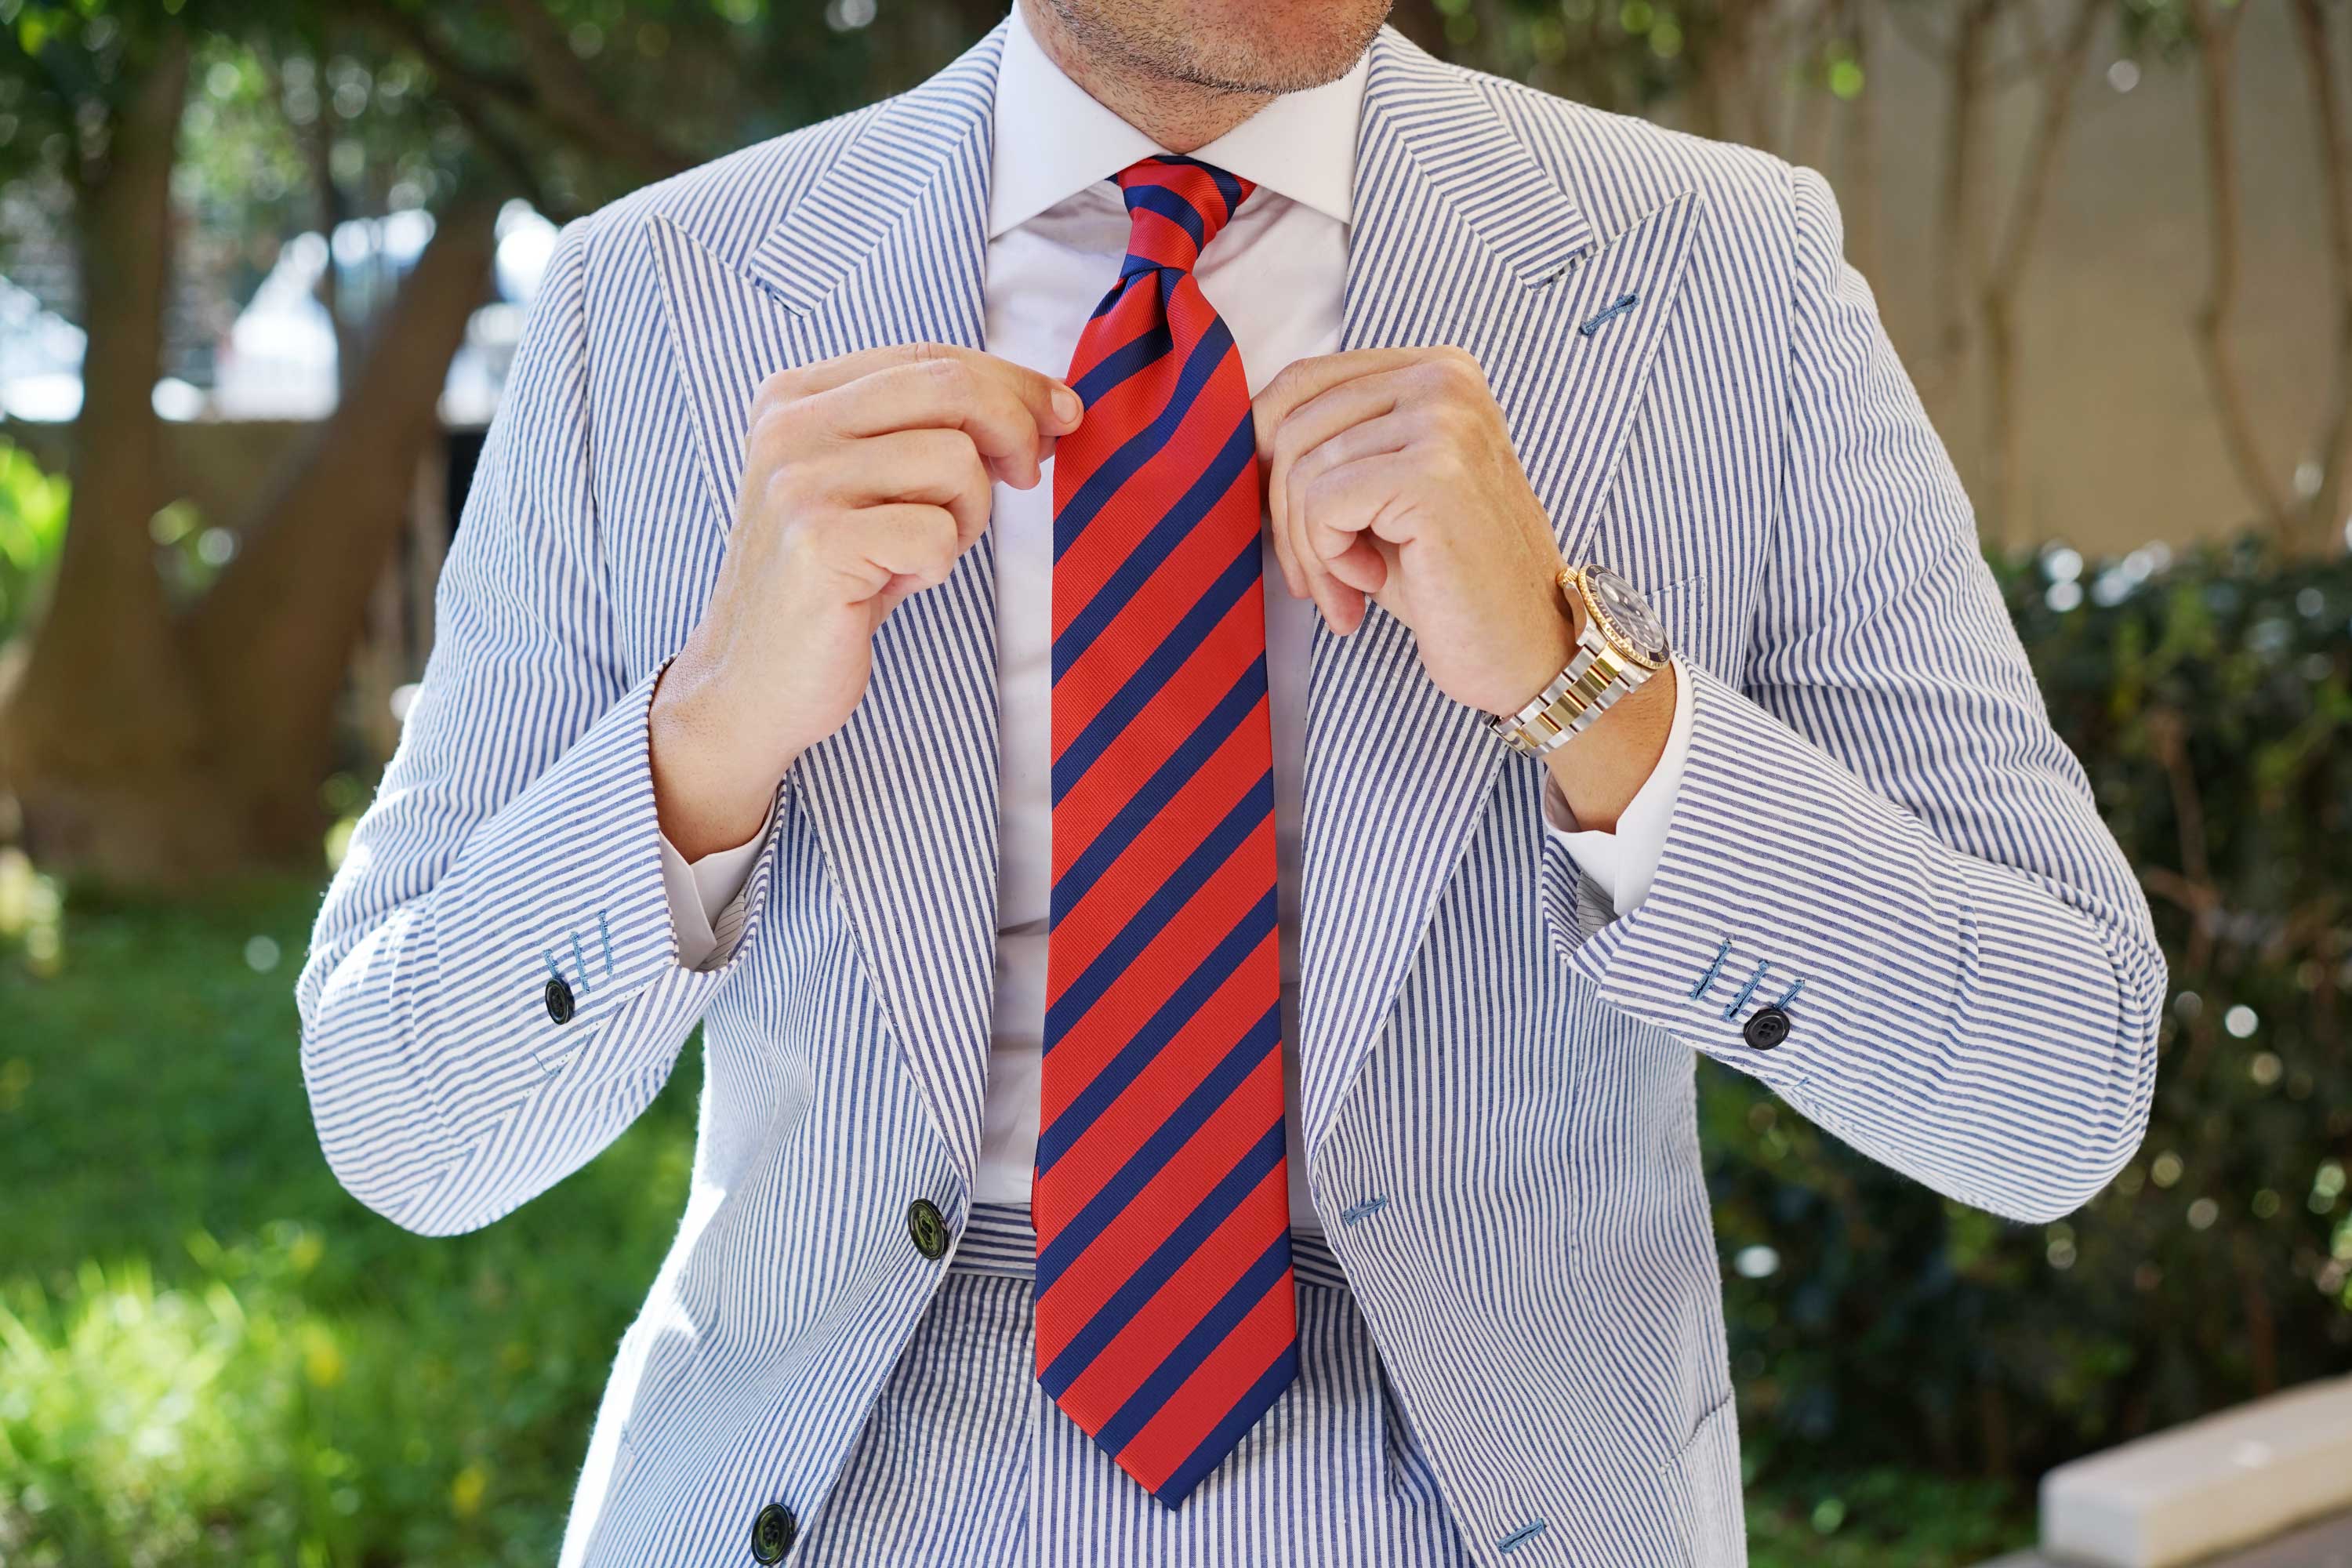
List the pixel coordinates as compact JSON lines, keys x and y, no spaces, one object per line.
{"x":208,"y":614}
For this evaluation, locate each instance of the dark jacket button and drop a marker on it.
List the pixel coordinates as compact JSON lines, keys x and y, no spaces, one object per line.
{"x":928,"y":1228}
{"x":1766,"y":1027}
{"x":559,"y":1000}
{"x":773,"y":1533}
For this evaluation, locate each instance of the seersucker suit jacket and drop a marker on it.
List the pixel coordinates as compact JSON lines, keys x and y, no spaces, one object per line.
{"x":1876,"y":830}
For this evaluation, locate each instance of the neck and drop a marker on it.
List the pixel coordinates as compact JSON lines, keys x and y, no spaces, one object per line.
{"x":1182,"y":116}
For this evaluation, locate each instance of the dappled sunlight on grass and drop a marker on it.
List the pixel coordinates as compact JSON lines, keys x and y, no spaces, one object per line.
{"x":208,"y":1354}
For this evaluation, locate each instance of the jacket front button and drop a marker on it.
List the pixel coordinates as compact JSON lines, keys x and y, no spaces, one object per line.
{"x":928,"y":1228}
{"x":1766,"y":1027}
{"x":773,"y":1532}
{"x":559,"y":1000}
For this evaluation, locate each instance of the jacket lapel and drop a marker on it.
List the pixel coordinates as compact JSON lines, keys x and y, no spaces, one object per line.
{"x":886,"y":246}
{"x":1460,"y":237}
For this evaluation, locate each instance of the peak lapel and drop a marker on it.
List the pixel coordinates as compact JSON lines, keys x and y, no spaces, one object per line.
{"x":886,"y":246}
{"x":1460,"y":238}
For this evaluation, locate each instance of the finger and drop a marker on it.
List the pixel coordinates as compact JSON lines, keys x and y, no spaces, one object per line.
{"x":1304,"y":380}
{"x":903,"y":546}
{"x":1389,"y":432}
{"x":942,"y":394}
{"x":1057,"y":407}
{"x":1378,"y":497}
{"x":1350,"y":511}
{"x":1303,"y":572}
{"x":1366,"y":398}
{"x":941,"y":467}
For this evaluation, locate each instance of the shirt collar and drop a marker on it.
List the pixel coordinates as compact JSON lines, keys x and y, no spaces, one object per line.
{"x":1052,"y":138}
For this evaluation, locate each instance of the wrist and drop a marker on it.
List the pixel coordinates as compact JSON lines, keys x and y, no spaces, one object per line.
{"x":1544,"y":655}
{"x":1599,"y":772}
{"x":705,"y":797}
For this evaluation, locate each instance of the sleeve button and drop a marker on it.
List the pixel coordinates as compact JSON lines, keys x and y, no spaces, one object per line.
{"x":1766,"y":1027}
{"x":559,"y":1000}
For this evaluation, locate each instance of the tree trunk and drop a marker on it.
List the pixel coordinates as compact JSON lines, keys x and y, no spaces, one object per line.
{"x":1959,"y":203}
{"x":272,"y":642}
{"x":2003,"y":439}
{"x":2321,"y":532}
{"x":100,"y":742}
{"x":2217,"y":61}
{"x":149,"y":748}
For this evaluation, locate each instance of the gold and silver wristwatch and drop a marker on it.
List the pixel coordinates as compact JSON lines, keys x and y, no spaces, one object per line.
{"x":1619,"y":643}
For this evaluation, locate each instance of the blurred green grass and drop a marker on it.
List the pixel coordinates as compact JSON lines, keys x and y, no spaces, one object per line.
{"x":209,"y":1354}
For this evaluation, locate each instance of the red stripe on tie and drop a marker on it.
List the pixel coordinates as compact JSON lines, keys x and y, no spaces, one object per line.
{"x":1132,"y":1355}
{"x":1152,"y":856}
{"x":1152,"y":974}
{"x":1165,"y":1202}
{"x":1127,"y":516}
{"x":1134,"y":971}
{"x":1137,"y":633}
{"x":1141,"y":1109}
{"x":1110,"y":333}
{"x":1170,"y":1437}
{"x":1161,"y":725}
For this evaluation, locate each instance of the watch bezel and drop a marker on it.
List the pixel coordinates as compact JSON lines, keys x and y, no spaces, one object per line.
{"x":1620,"y":642}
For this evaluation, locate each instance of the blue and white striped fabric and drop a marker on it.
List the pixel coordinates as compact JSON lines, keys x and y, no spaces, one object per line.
{"x":1876,"y":824}
{"x":964,"y":1459}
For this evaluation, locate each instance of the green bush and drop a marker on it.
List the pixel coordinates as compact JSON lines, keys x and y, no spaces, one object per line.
{"x":2210,"y":697}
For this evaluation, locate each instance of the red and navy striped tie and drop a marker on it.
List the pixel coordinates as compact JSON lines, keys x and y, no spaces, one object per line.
{"x":1166,"y":1315}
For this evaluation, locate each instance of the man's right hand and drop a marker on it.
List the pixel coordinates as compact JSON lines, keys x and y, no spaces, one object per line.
{"x":865,"y":477}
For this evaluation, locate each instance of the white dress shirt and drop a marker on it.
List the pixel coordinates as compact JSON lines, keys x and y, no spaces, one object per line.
{"x":1057,"y":231}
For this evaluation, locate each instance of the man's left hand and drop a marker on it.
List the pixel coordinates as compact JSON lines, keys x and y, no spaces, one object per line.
{"x":1391,"y":477}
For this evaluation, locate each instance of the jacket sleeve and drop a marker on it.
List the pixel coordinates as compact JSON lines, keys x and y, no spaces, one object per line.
{"x":1878,"y":831}
{"x":513,"y":843}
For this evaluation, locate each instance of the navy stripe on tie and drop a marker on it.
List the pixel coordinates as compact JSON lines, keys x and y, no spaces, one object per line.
{"x":1110,"y":1082}
{"x":1134,"y":1056}
{"x":1165,"y":201}
{"x":1143,"y":350}
{"x":1254,"y":808}
{"x":1157,"y":789}
{"x":1166,"y":659}
{"x":1071,"y":517}
{"x":1212,"y":1331}
{"x":1126,"y":582}
{"x":1228,"y":186}
{"x":1257,"y":1161}
{"x":1167,"y":1140}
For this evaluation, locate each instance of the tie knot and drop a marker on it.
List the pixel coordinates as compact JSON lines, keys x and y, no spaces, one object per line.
{"x":1176,"y":206}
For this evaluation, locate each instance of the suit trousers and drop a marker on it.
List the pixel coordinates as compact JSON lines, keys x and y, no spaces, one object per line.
{"x":965,"y":1462}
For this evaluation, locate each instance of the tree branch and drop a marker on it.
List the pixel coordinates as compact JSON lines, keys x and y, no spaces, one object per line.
{"x":570,"y":100}
{"x":2336,"y":207}
{"x":2217,"y":45}
{"x":2062,"y":71}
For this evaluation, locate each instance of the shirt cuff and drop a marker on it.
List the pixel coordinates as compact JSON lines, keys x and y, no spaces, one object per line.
{"x":703,"y":895}
{"x":1623,"y":863}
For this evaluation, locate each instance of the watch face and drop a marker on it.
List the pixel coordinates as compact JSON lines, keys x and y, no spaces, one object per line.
{"x":1628,"y":614}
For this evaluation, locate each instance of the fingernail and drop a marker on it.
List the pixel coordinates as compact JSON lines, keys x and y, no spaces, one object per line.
{"x":1067,"y":405}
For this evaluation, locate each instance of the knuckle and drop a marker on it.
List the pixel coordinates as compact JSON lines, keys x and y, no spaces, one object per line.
{"x":1289,"y":446}
{"x":775,"y":388}
{"x":948,"y":375}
